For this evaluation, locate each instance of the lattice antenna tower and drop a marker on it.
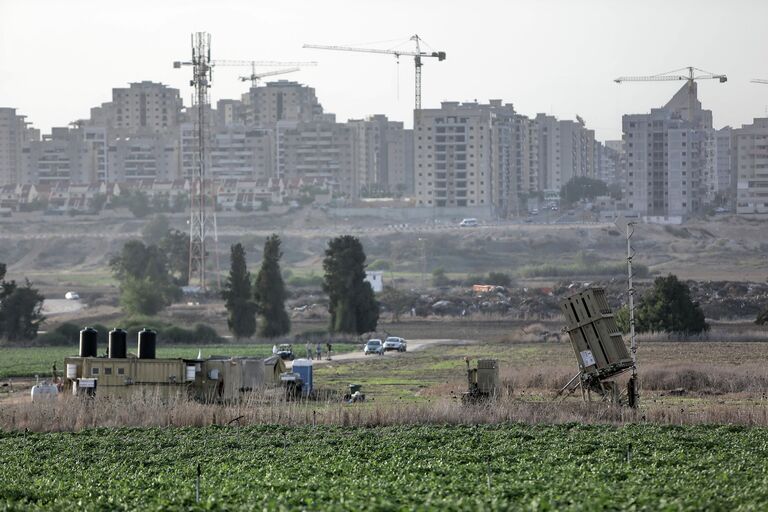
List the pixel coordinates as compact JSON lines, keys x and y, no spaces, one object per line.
{"x":202,"y":212}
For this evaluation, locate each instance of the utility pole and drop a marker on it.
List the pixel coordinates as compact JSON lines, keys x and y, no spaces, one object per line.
{"x":632,"y":384}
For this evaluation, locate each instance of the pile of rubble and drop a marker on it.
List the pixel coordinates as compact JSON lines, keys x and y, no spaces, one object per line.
{"x":719,"y":300}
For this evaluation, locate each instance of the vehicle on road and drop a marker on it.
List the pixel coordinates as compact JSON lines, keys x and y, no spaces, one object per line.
{"x":395,"y":343}
{"x":374,"y":346}
{"x":285,"y":351}
{"x":72,"y":296}
{"x":468,"y":223}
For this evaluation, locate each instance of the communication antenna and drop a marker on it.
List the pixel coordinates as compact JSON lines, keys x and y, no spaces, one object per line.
{"x":202,"y":214}
{"x":629,"y":228}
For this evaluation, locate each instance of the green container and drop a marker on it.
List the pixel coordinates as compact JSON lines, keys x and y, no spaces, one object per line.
{"x":353,"y":388}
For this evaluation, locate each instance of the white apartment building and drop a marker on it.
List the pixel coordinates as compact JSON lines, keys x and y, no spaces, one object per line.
{"x":750,"y":165}
{"x":665,"y":155}
{"x":452,"y":149}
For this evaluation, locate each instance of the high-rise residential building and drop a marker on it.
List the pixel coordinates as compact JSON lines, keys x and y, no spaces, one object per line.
{"x":749,"y":161}
{"x":380,"y":155}
{"x":58,"y":156}
{"x":143,"y":106}
{"x":241,"y":152}
{"x":665,"y":154}
{"x":229,"y":113}
{"x":320,"y":149}
{"x":717,"y":175}
{"x":282,"y":100}
{"x":452,"y":147}
{"x":140,"y":157}
{"x":15,"y":135}
{"x":566,"y":150}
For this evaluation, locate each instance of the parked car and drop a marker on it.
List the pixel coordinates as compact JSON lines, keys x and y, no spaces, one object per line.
{"x":285,"y":351}
{"x":395,"y":343}
{"x":468,"y":223}
{"x":374,"y":346}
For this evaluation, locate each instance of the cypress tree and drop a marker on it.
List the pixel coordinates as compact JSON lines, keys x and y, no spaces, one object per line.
{"x":241,"y":308}
{"x":270,"y":292}
{"x":352,"y":304}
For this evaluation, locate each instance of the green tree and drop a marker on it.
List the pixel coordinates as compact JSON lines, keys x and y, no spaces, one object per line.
{"x":352,"y":304}
{"x":144,"y":270}
{"x":499,"y":279}
{"x":397,"y":301}
{"x":582,"y":187}
{"x":138,"y":204}
{"x":141,"y":297}
{"x":270,"y":292}
{"x":439,"y":278}
{"x":668,"y":307}
{"x":20,"y":309}
{"x":154,"y":230}
{"x":241,"y":308}
{"x":175,"y":246}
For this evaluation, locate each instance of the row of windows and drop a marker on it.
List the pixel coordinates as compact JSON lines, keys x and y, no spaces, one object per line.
{"x":107,"y":371}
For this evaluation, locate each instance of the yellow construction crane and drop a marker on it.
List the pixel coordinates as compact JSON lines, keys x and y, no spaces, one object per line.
{"x":675,"y":75}
{"x":255,"y":77}
{"x":417,"y":56}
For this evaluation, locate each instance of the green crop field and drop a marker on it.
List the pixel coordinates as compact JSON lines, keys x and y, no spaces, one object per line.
{"x":28,"y":362}
{"x":503,"y":467}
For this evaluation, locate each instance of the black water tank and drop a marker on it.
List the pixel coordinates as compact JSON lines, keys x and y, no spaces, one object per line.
{"x":89,"y":342}
{"x":118,"y":344}
{"x":147,"y":342}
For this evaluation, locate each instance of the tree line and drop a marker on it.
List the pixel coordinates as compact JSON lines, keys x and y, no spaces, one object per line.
{"x":151,"y":276}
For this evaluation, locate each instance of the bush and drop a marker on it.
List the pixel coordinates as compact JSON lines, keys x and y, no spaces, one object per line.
{"x":439,"y":278}
{"x":499,"y":279}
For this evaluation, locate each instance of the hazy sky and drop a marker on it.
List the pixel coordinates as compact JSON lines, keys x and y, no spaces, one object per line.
{"x":58,"y":58}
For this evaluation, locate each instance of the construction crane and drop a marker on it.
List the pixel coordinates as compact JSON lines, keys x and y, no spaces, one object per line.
{"x":675,"y":75}
{"x":417,"y":56}
{"x":759,"y":81}
{"x":255,"y":77}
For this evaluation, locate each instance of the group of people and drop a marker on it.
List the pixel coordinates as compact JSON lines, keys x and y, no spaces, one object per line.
{"x":318,"y":350}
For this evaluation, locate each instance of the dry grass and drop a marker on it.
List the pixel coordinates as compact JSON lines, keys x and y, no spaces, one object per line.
{"x":74,"y":414}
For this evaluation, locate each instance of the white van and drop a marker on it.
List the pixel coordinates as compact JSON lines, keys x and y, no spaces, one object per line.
{"x":468,"y":223}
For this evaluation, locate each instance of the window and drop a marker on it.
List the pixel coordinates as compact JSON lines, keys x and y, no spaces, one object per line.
{"x":107,"y":371}
{"x":94,"y":371}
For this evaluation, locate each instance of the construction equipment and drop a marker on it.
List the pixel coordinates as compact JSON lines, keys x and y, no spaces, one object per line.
{"x":417,"y":56}
{"x":759,"y":81}
{"x":482,"y":381}
{"x":255,"y":77}
{"x":599,"y":348}
{"x":675,"y":75}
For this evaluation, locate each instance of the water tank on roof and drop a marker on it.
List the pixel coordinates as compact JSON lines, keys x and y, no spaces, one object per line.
{"x":89,"y":342}
{"x":118,"y":344}
{"x":147,"y":344}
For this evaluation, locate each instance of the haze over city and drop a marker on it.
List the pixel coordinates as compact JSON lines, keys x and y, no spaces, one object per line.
{"x":57,"y":59}
{"x":437,"y":255}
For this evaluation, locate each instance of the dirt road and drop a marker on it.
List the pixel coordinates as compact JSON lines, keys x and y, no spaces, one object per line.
{"x":413,"y":346}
